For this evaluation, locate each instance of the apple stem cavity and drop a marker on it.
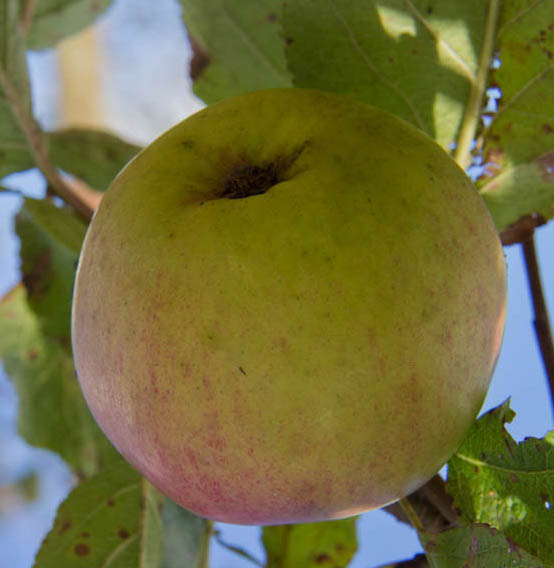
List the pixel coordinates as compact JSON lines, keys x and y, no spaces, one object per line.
{"x":246,"y":179}
{"x":249,"y":180}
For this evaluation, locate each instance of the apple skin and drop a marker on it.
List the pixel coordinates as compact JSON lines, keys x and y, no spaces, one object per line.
{"x":306,"y":353}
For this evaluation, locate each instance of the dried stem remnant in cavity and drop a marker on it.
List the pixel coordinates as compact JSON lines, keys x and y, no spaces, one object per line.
{"x":248,"y":179}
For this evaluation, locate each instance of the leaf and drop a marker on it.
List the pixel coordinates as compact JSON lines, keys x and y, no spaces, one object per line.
{"x":332,"y":544}
{"x":15,"y":96}
{"x":93,"y":156}
{"x":416,"y":59}
{"x":519,"y":142}
{"x":237,"y":46}
{"x":477,"y":546}
{"x":52,"y":412}
{"x":517,"y":190}
{"x":49,"y":21}
{"x":186,"y":537}
{"x":51,"y":238}
{"x":58,"y":223}
{"x":112,"y":519}
{"x":507,"y":485}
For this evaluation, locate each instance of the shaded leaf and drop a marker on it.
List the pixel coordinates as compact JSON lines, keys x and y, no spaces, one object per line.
{"x":237,"y":46}
{"x":477,"y":546}
{"x":49,"y":21}
{"x":415,"y":59}
{"x":94,"y":156}
{"x":52,"y":411}
{"x":50,"y":242}
{"x":15,"y":97}
{"x":519,"y":142}
{"x":527,"y":187}
{"x":330,"y":544}
{"x":112,"y":519}
{"x":186,"y":537}
{"x":507,"y":485}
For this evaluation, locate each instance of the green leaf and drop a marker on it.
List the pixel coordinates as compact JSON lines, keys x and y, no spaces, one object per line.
{"x":49,"y":21}
{"x":15,"y":96}
{"x":237,"y":46}
{"x":112,"y":519}
{"x":476,"y":547}
{"x":94,"y":156}
{"x":51,"y":238}
{"x":332,"y":543}
{"x":186,"y":537}
{"x":52,"y":411}
{"x":525,"y":188}
{"x":415,"y":59}
{"x":519,"y":142}
{"x":507,"y":485}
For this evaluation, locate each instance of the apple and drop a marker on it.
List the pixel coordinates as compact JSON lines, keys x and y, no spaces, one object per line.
{"x":288,"y":308}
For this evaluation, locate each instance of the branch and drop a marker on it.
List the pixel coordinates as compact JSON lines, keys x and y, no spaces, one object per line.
{"x":205,"y":538}
{"x":522,"y":229}
{"x":472,"y":115}
{"x":236,"y":549}
{"x":432,"y":505}
{"x":28,"y":13}
{"x":34,"y":138}
{"x":541,"y":321}
{"x":418,"y":561}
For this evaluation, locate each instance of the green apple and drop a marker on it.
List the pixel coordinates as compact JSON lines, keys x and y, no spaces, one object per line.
{"x":288,"y":308}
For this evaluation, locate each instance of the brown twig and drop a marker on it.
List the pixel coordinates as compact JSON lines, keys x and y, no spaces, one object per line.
{"x":522,"y":229}
{"x":27,"y":17}
{"x":418,"y":561}
{"x":541,"y":321}
{"x":432,"y":504}
{"x":34,"y":138}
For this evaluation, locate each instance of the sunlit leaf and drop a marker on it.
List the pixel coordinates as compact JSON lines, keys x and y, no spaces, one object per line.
{"x":519,"y":142}
{"x":52,"y":411}
{"x":311,"y":545}
{"x":415,"y":59}
{"x":112,"y":519}
{"x":507,"y":485}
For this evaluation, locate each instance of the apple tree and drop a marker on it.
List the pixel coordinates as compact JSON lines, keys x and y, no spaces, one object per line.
{"x":434,"y":64}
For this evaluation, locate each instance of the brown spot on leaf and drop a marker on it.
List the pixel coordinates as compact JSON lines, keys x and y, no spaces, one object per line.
{"x":323,"y":559}
{"x":66,"y":525}
{"x":123,"y":534}
{"x":513,"y":477}
{"x":546,"y":165}
{"x":35,"y":278}
{"x":272,"y":17}
{"x":32,"y":354}
{"x":81,"y":549}
{"x":289,"y":40}
{"x":514,"y":547}
{"x":85,"y":535}
{"x":547,"y":128}
{"x":111,"y":503}
{"x":199,"y":61}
